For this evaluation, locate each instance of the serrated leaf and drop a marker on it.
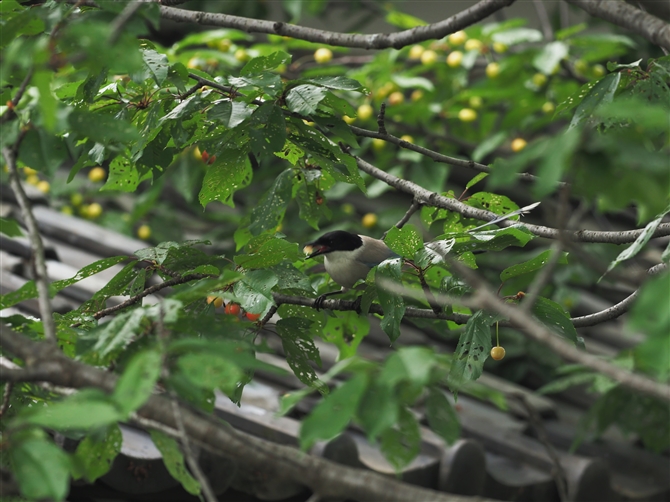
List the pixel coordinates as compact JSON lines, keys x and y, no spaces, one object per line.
{"x":254,"y":291}
{"x":41,"y":468}
{"x":268,"y":82}
{"x":472,"y":350}
{"x":290,"y":152}
{"x":94,"y":455}
{"x":531,"y":265}
{"x":137,"y":382}
{"x":333,"y":413}
{"x":554,"y":317}
{"x":263,"y":63}
{"x":600,"y":94}
{"x":158,"y":64}
{"x":441,"y":416}
{"x":300,"y":349}
{"x":230,"y":113}
{"x":268,"y":130}
{"x":640,"y":242}
{"x":116,"y":333}
{"x":392,"y":304}
{"x":405,"y":241}
{"x":230,"y":173}
{"x":304,"y":99}
{"x":337,"y":82}
{"x":174,"y":461}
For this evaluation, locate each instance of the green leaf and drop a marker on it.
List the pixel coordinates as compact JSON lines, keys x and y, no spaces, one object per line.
{"x":401,"y":444}
{"x":41,"y":468}
{"x":392,"y":304}
{"x":42,"y":150}
{"x":554,"y":317}
{"x":263,"y":63}
{"x":472,"y":350}
{"x":517,"y":36}
{"x":405,"y":241}
{"x":123,"y":176}
{"x":230,"y":173}
{"x":404,"y":21}
{"x":271,"y":252}
{"x":304,"y":99}
{"x":487,"y":146}
{"x":95,"y":454}
{"x":600,"y":94}
{"x":10,"y":227}
{"x":210,"y":371}
{"x":475,"y":180}
{"x":268,"y":82}
{"x":268,"y":132}
{"x":640,"y":242}
{"x":137,"y":381}
{"x":441,"y":416}
{"x":87,"y":409}
{"x":550,"y":56}
{"x":531,"y":265}
{"x":115,"y":334}
{"x":332,"y":415}
{"x":346,"y":331}
{"x":378,"y":409}
{"x":174,"y":461}
{"x":300,"y":349}
{"x":269,"y":211}
{"x":102,"y":128}
{"x":554,"y":164}
{"x":491,"y":240}
{"x":338,"y":82}
{"x":176,"y":256}
{"x":230,"y":113}
{"x":158,"y":64}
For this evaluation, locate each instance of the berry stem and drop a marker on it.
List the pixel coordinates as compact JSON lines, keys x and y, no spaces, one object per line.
{"x":497,"y":337}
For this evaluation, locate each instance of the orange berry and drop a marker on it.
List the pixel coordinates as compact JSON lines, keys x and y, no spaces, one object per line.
{"x":232,"y":309}
{"x":252,"y":317}
{"x":497,"y":353}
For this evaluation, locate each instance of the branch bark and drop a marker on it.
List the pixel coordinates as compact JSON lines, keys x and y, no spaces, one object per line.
{"x":251,"y":453}
{"x":620,"y":13}
{"x":462,"y":20}
{"x":434,"y":199}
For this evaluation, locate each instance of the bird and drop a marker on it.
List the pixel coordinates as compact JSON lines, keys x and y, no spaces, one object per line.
{"x":348,"y":257}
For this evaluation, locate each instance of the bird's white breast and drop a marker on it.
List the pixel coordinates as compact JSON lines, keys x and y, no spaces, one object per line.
{"x":344,"y":269}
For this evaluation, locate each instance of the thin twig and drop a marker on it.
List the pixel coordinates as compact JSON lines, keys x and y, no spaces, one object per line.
{"x":543,"y":17}
{"x":38,"y":260}
{"x":207,"y":491}
{"x":381,"y":119}
{"x":416,"y":205}
{"x":122,"y":19}
{"x":558,"y":473}
{"x":9,"y":386}
{"x":11,"y":112}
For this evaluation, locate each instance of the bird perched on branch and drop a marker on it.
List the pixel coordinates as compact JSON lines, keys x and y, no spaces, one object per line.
{"x":348,"y":257}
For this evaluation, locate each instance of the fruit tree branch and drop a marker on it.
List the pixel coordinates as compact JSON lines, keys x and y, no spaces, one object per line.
{"x":459,"y":21}
{"x":251,"y":453}
{"x":620,"y":13}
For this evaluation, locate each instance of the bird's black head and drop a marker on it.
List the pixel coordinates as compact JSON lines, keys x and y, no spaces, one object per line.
{"x":339,"y":240}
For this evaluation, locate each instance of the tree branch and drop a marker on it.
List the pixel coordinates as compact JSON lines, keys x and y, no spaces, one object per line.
{"x":38,"y":261}
{"x":251,"y":453}
{"x":487,"y":299}
{"x":462,"y":20}
{"x":620,"y":13}
{"x":434,"y":199}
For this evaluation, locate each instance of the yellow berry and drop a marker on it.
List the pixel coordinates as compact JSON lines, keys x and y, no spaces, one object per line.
{"x":492,"y":70}
{"x":97,"y":174}
{"x":396,"y":98}
{"x":76,"y":199}
{"x":476,"y":102}
{"x":348,"y":208}
{"x":241,"y":55}
{"x":518,"y":144}
{"x":378,"y":144}
{"x":33,"y":179}
{"x":548,"y":107}
{"x":194,"y":63}
{"x":224,"y":45}
{"x":457,"y":38}
{"x":416,"y":95}
{"x":323,"y":55}
{"x":369,"y":220}
{"x":539,"y":79}
{"x":473,"y":45}
{"x":28,"y":171}
{"x":348,"y":119}
{"x":385,"y":90}
{"x":581,"y":66}
{"x":93,"y":210}
{"x":67,"y":210}
{"x":416,"y":51}
{"x":454,"y":59}
{"x":407,"y":137}
{"x":144,"y":232}
{"x":428,"y":57}
{"x":598,"y":70}
{"x":197,"y":154}
{"x":43,"y":186}
{"x":364,"y":111}
{"x":499,"y":47}
{"x":467,"y":115}
{"x":497,"y":353}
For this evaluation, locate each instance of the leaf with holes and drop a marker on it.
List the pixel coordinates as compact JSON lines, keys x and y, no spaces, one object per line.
{"x":157,"y":63}
{"x":95,"y":453}
{"x":263,"y":63}
{"x":472,"y":350}
{"x":531,"y":265}
{"x":304,"y":99}
{"x":600,"y":94}
{"x":300,"y":349}
{"x":174,"y":461}
{"x":123,"y":176}
{"x":405,"y":241}
{"x":269,"y":210}
{"x":554,"y":317}
{"x":230,"y":173}
{"x":392,"y":304}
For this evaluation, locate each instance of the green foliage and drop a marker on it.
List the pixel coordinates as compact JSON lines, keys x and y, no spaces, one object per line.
{"x":255,"y":140}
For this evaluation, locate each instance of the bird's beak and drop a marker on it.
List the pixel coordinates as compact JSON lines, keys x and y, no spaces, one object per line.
{"x":311,"y":251}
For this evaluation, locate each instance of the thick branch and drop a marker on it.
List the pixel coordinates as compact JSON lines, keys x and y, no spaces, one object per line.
{"x":462,"y":20}
{"x":436,"y":200}
{"x":620,"y":13}
{"x":251,"y":453}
